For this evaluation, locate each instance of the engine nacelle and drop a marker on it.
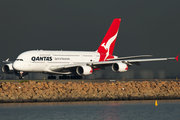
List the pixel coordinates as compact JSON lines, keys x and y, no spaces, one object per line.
{"x":84,"y":70}
{"x":119,"y":67}
{"x":8,"y":68}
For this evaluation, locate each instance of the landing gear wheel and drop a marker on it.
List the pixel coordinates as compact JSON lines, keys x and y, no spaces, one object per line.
{"x":76,"y":77}
{"x":60,"y":77}
{"x":70,"y":77}
{"x":21,"y":78}
{"x":51,"y":77}
{"x":65,"y":77}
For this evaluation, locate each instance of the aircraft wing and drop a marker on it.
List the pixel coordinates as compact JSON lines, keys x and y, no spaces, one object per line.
{"x":102,"y":64}
{"x":131,"y":61}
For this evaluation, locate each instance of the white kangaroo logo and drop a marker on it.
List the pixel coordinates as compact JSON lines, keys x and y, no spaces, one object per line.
{"x":103,"y":45}
{"x":108,"y":44}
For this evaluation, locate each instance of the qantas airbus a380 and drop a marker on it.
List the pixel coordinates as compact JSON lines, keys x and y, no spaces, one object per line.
{"x":75,"y":63}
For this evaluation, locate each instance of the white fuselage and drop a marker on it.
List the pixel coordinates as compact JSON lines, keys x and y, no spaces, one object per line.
{"x":41,"y":61}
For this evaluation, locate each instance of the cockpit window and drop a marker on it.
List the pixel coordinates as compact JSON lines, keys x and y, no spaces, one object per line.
{"x":19,"y":59}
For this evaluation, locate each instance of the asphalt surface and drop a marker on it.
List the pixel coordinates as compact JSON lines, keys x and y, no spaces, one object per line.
{"x":93,"y":81}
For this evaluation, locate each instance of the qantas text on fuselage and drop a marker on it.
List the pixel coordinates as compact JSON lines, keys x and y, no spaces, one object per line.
{"x":76,"y":63}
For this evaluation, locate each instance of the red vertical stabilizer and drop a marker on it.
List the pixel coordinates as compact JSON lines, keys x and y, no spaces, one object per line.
{"x":107,"y":45}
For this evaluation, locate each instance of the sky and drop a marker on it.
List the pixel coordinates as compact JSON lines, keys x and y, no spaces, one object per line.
{"x":147,"y":27}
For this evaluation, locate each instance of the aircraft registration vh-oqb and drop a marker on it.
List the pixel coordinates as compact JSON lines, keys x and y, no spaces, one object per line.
{"x":74,"y":64}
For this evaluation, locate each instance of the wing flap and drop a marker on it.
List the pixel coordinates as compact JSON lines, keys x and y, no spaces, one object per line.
{"x":121,"y":58}
{"x":146,"y":60}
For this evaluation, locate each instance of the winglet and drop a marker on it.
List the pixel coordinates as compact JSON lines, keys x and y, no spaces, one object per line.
{"x":177,"y":57}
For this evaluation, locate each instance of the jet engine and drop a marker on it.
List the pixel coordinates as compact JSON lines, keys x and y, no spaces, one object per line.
{"x":8,"y":68}
{"x":84,"y":70}
{"x":119,"y":67}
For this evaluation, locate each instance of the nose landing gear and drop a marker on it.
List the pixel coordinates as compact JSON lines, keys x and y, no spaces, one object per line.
{"x":21,"y":75}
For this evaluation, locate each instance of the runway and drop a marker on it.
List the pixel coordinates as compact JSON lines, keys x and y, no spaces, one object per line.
{"x":90,"y":80}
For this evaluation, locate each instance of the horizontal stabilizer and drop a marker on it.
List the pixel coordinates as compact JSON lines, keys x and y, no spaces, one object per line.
{"x":7,"y":61}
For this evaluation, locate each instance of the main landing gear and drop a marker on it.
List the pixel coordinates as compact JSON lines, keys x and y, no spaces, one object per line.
{"x":70,"y":77}
{"x":65,"y":77}
{"x":51,"y":77}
